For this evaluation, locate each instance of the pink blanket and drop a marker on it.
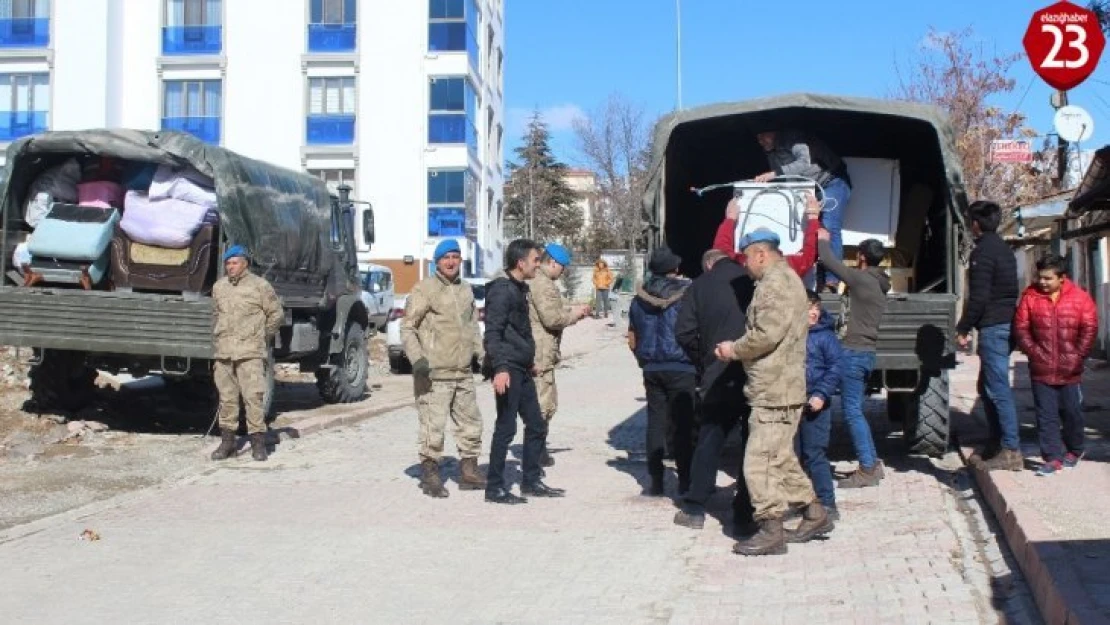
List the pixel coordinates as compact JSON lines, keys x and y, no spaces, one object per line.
{"x":162,"y":223}
{"x":104,"y":194}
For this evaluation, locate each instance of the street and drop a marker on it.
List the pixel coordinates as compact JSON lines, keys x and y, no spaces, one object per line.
{"x":333,"y":529}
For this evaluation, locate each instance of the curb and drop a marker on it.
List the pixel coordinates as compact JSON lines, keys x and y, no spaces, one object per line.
{"x":1056,"y":588}
{"x":312,"y":425}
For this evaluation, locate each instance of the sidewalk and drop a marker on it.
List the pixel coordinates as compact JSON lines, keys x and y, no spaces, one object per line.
{"x":1057,"y":525}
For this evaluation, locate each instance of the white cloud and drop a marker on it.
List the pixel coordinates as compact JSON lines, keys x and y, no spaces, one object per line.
{"x":558,"y":117}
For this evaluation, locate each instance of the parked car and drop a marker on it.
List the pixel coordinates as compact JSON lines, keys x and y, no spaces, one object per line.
{"x":377,"y":294}
{"x":398,"y":362}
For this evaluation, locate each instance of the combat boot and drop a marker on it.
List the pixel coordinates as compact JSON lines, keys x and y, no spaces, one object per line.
{"x":258,"y":447}
{"x":1005,"y":460}
{"x":469,"y":476}
{"x":430,"y":481}
{"x":815,"y":522}
{"x":227,"y":446}
{"x":769,"y":540}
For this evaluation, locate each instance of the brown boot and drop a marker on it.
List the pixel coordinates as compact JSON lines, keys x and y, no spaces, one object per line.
{"x":227,"y":446}
{"x":1005,"y":460}
{"x":769,"y":540}
{"x":470,"y":478}
{"x":815,"y":522}
{"x":258,"y":447}
{"x":862,"y":478}
{"x":430,"y":481}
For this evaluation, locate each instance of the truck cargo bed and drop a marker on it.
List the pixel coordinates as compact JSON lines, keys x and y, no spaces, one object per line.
{"x":916,"y":330}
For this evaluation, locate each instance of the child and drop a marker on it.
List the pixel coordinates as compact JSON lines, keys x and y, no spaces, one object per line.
{"x":823,"y":355}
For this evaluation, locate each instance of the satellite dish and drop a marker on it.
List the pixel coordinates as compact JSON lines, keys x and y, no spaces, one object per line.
{"x":1074,"y":124}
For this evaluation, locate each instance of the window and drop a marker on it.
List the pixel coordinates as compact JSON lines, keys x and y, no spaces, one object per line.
{"x":453,"y":27}
{"x":452,"y":195}
{"x":193,"y":27}
{"x":331,"y":25}
{"x":451,"y":112}
{"x":25,"y":102}
{"x":331,"y":111}
{"x":383,"y":280}
{"x":24,"y":23}
{"x":193,"y":106}
{"x":336,"y":177}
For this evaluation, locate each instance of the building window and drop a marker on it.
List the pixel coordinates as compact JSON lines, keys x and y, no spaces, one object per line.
{"x":336,"y":177}
{"x":453,"y":27}
{"x":193,"y":27}
{"x":331,"y":111}
{"x":26,"y":105}
{"x":452,"y":199}
{"x":452,"y":109}
{"x":195,"y":107}
{"x":24,"y":23}
{"x":331,"y":25}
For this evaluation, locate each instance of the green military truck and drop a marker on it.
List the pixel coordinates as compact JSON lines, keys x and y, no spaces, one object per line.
{"x":142,"y":318}
{"x":907,"y":190}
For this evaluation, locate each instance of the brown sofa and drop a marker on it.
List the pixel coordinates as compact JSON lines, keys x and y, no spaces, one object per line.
{"x":146,"y":268}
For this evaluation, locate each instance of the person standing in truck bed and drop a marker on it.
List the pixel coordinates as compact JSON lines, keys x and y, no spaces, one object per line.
{"x":246,"y":315}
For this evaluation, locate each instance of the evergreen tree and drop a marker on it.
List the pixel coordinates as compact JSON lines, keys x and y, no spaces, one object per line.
{"x":538,"y":200}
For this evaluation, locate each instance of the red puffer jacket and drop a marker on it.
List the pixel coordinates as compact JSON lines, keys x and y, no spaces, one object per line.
{"x":1056,"y":336}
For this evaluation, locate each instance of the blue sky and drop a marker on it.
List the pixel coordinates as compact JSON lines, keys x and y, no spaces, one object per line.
{"x":566,"y":57}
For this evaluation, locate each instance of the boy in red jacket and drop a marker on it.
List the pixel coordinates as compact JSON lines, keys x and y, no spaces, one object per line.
{"x":801,"y":262}
{"x":1056,"y":325}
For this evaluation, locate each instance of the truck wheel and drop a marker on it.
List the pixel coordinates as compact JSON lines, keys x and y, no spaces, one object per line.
{"x":62,"y":382}
{"x":345,"y":382}
{"x":926,"y":418}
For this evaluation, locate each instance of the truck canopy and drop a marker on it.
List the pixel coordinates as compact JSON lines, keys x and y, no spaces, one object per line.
{"x":717,"y":143}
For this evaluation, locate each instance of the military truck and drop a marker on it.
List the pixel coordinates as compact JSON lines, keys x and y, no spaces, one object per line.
{"x":909,"y":188}
{"x":301,"y":239}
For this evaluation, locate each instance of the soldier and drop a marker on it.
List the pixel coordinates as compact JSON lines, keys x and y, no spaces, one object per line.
{"x":441,"y":337}
{"x":549,"y":316}
{"x":246,"y":316}
{"x":773,"y":352}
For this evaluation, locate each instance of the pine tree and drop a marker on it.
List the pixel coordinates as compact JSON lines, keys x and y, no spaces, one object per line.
{"x":538,"y":200}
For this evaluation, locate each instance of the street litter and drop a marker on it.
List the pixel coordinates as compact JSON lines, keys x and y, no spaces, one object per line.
{"x":89,"y":535}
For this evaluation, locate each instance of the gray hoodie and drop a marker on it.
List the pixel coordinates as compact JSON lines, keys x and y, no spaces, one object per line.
{"x":867,"y":289}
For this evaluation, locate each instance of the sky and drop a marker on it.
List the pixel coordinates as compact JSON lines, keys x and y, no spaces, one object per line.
{"x":565,"y":58}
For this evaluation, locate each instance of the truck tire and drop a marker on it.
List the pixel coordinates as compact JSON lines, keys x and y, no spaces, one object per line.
{"x":925,"y":418}
{"x":345,"y":382}
{"x":62,"y":382}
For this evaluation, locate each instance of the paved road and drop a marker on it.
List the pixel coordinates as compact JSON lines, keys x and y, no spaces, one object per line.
{"x":335,"y":530}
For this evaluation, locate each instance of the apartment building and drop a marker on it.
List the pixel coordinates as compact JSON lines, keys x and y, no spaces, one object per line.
{"x":400,"y":99}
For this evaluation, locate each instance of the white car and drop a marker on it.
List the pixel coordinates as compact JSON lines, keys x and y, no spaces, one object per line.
{"x":377,"y":294}
{"x":398,"y":362}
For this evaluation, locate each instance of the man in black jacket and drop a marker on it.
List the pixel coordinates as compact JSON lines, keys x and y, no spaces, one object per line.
{"x":511,"y":354}
{"x":713,"y":311}
{"x":992,"y":294}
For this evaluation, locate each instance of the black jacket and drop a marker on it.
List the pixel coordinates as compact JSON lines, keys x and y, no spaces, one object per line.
{"x":713,"y":311}
{"x":992,"y":285}
{"x":508,"y":341}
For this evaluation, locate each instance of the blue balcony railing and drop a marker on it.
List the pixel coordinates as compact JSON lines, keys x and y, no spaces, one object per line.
{"x":192,"y":40}
{"x":32,"y":32}
{"x":447,"y":128}
{"x":204,"y":128}
{"x":16,"y":124}
{"x":331,"y":37}
{"x":330,"y":130}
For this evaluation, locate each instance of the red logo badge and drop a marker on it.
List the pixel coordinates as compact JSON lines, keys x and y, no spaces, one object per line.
{"x":1064,"y":43}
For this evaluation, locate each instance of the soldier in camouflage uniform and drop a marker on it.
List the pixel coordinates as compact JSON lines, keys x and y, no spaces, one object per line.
{"x":246,"y":315}
{"x":773,"y":352}
{"x":441,"y":337}
{"x":549,"y":316}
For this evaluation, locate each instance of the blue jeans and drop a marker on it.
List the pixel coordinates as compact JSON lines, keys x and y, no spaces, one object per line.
{"x":855,"y":371}
{"x":837,"y":194}
{"x":1059,"y":406}
{"x":812,"y":444}
{"x":994,"y":384}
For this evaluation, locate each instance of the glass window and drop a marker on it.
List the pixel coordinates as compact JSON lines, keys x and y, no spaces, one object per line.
{"x":332,"y":11}
{"x":331,"y":96}
{"x":24,"y":93}
{"x":453,"y":27}
{"x":452,"y":109}
{"x":193,"y":12}
{"x":336,"y":177}
{"x":24,"y":9}
{"x":192,"y":98}
{"x":452,"y":194}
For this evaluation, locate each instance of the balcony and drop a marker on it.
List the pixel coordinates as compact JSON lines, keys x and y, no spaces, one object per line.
{"x":206,"y":129}
{"x":331,"y":37}
{"x":447,"y":128}
{"x":33,"y":32}
{"x":180,"y":40}
{"x":330,"y":130}
{"x":17,"y":124}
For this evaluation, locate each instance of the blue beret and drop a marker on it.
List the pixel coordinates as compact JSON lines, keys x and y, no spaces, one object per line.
{"x":445,"y":247}
{"x":759,"y":235}
{"x":559,"y":253}
{"x":235,"y":250}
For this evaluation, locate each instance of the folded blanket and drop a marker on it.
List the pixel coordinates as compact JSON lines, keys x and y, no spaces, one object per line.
{"x":186,"y":185}
{"x":102,"y":193}
{"x":162,"y":223}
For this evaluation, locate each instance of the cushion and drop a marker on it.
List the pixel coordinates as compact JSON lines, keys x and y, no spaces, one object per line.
{"x":162,"y":223}
{"x":71,"y":232}
{"x":186,"y":185}
{"x":150,"y":255}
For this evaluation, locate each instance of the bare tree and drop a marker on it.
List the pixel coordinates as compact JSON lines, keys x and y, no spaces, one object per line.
{"x":963,"y":79}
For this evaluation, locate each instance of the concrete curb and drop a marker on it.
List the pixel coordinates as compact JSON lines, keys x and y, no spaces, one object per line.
{"x":1060,"y":597}
{"x":311,"y":425}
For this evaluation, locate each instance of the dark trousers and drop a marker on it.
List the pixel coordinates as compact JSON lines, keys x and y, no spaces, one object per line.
{"x":715,"y":423}
{"x":520,"y":398}
{"x":670,"y":397}
{"x":812,"y":444}
{"x":1056,"y":404}
{"x":742,"y":509}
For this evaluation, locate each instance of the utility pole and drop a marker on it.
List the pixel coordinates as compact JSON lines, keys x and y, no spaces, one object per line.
{"x":678,"y":50}
{"x":531,"y":201}
{"x":1059,"y":101}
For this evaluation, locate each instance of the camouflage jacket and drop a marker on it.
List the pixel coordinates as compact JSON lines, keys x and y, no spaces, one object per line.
{"x":549,"y":316}
{"x":246,"y":315}
{"x":773,"y":348}
{"x":441,"y":325}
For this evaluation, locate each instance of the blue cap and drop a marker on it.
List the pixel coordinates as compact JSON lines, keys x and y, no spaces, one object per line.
{"x":559,"y":253}
{"x":235,"y":250}
{"x":759,"y":235}
{"x":445,"y":247}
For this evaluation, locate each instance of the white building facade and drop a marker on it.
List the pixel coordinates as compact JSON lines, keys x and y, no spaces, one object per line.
{"x":400,"y":99}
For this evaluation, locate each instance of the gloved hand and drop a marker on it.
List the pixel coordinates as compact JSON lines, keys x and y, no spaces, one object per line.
{"x":487,"y":368}
{"x":421,"y":367}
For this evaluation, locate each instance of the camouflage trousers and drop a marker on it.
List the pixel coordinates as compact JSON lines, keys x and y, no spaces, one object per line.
{"x":438,"y":399}
{"x":549,"y":397}
{"x":771,"y":469}
{"x":246,"y":378}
